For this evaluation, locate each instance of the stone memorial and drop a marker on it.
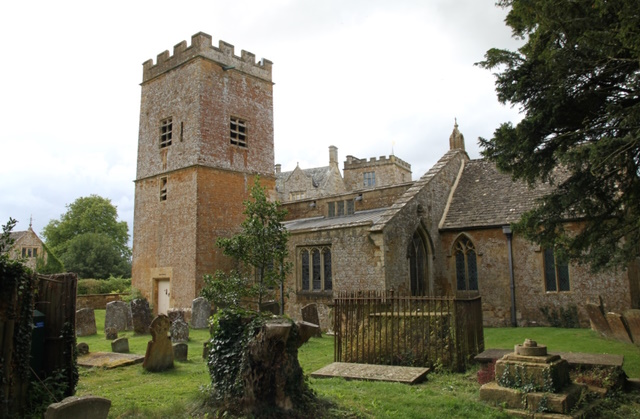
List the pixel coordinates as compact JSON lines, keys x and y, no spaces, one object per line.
{"x":159,"y":355}
{"x":618,"y":327}
{"x":83,"y":348}
{"x":86,"y":322}
{"x":179,"y":331}
{"x":598,"y":320}
{"x":180,"y":351}
{"x":141,"y":316}
{"x":118,"y":315}
{"x":200,"y":313}
{"x":120,"y":345}
{"x":310,"y":315}
{"x":110,"y":333}
{"x":175,"y":313}
{"x":632,"y":316}
{"x":74,"y":407}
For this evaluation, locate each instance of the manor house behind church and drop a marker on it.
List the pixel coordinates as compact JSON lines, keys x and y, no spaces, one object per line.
{"x":206,"y":131}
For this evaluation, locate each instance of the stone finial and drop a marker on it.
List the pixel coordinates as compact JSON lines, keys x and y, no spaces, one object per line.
{"x":456,"y":139}
{"x":530,"y":348}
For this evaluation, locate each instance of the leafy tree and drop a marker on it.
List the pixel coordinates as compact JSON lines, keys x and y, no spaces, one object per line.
{"x":261,"y":247}
{"x":89,"y":240}
{"x":576,"y":80}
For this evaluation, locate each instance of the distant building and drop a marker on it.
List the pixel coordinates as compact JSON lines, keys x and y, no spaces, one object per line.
{"x":27,"y":246}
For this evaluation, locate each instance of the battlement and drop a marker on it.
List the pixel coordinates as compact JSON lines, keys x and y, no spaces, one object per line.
{"x":356,"y":163}
{"x":201,"y":45}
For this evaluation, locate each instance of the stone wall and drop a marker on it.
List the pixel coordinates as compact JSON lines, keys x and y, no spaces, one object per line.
{"x":96,"y":301}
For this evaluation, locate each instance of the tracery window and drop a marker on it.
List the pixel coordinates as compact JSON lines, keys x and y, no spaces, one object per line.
{"x":418,"y":265}
{"x":315,"y":268}
{"x":556,"y":272}
{"x":466,"y":265}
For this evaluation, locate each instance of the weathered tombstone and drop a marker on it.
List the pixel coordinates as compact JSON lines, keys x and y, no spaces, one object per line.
{"x":632,"y":317}
{"x":120,"y":345}
{"x":306,"y":330}
{"x":141,"y":316}
{"x":175,"y":313}
{"x":270,"y":306}
{"x":73,"y":407}
{"x":179,"y":331}
{"x":159,"y":355}
{"x":118,"y":315}
{"x":86,"y":322}
{"x":180,"y":351}
{"x":200,"y":312}
{"x":618,"y":328}
{"x":310,"y":315}
{"x":598,"y":321}
{"x":110,"y":333}
{"x":83,"y":348}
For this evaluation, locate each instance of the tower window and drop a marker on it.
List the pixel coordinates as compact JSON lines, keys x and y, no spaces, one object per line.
{"x":166,"y":129}
{"x":369,"y":179}
{"x":163,"y":188}
{"x":238,"y":131}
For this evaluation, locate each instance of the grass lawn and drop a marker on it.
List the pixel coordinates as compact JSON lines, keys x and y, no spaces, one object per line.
{"x":175,"y":393}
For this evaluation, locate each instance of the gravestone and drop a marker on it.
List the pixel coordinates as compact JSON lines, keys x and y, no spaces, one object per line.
{"x":159,"y":355}
{"x":310,"y":315}
{"x":83,"y":348}
{"x":179,"y":331}
{"x":73,"y":407}
{"x":141,"y":316}
{"x":86,"y":322}
{"x":180,"y":351}
{"x":598,"y":321}
{"x":120,"y":345}
{"x":618,"y":328}
{"x":118,"y":315}
{"x":110,"y":333}
{"x":200,"y":313}
{"x":175,"y":313}
{"x":632,"y":317}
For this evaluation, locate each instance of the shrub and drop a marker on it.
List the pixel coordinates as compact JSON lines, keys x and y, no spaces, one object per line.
{"x":104,"y":286}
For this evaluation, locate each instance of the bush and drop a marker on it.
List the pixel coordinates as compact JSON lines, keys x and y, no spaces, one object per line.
{"x":104,"y":286}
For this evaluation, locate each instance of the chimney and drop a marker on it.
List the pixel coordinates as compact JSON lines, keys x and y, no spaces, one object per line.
{"x":333,"y":155}
{"x":278,"y":168}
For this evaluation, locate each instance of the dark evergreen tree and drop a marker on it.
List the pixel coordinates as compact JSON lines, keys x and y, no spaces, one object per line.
{"x":576,"y":80}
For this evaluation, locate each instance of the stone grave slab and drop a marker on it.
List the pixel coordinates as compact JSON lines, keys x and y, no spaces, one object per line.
{"x":108,"y":360}
{"x":310,"y":315}
{"x":179,"y":331}
{"x":618,"y":328}
{"x":370,"y":372}
{"x":200,"y":313}
{"x":118,"y":315}
{"x":632,"y":316}
{"x":86,"y":322}
{"x":141,"y":316}
{"x":598,"y":321}
{"x":73,"y":407}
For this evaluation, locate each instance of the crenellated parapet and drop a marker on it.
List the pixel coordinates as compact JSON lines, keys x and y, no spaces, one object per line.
{"x":356,"y":163}
{"x":202,"y":46}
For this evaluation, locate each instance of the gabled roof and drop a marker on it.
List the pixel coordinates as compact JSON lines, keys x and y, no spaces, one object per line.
{"x":17,"y":235}
{"x":485,"y":197}
{"x":318,"y":176}
{"x":367,"y":217}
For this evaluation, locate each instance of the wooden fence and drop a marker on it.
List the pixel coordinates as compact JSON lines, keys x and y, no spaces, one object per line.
{"x":378,"y":327}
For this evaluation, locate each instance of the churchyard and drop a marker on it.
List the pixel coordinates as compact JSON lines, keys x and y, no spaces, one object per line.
{"x":177,"y":392}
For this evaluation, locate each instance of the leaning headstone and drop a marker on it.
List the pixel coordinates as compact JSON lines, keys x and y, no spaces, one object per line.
{"x":310,"y":315}
{"x":632,"y":317}
{"x":110,"y":333}
{"x":598,"y":321}
{"x":180,"y":351}
{"x":200,"y":313}
{"x":120,"y":345}
{"x":86,"y":322}
{"x":618,"y":328}
{"x":118,"y":315}
{"x":73,"y":407}
{"x":141,"y":316}
{"x":83,"y":348}
{"x":159,"y":355}
{"x":175,"y":313}
{"x":179,"y":331}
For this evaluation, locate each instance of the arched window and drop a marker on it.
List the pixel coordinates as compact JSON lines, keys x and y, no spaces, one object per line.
{"x":466,"y":264}
{"x":418,"y":265}
{"x":315,"y":268}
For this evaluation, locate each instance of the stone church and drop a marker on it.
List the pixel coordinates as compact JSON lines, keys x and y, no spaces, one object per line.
{"x":206,"y":131}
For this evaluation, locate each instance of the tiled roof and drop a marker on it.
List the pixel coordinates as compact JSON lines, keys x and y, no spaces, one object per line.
{"x":318,"y":175}
{"x":325,"y":223}
{"x":485,"y":197}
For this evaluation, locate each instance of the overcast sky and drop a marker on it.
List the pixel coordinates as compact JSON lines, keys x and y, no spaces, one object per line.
{"x":366,"y":76}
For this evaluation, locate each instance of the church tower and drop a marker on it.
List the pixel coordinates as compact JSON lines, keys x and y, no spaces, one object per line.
{"x":206,"y":130}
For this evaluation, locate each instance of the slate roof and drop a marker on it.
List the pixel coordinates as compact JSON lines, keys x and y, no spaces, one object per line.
{"x":485,"y":197}
{"x":318,"y":176}
{"x":367,"y":217}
